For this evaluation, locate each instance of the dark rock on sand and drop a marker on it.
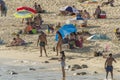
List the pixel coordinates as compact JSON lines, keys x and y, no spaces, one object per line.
{"x":95,"y":72}
{"x":76,"y":66}
{"x":53,"y":58}
{"x":13,"y":73}
{"x":46,"y":62}
{"x":118,"y":70}
{"x":71,"y":69}
{"x":84,"y":66}
{"x":67,"y":67}
{"x":33,"y":69}
{"x":81,"y":73}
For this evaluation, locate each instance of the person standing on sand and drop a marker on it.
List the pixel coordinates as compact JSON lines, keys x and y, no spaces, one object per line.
{"x":42,"y":41}
{"x":59,"y":43}
{"x":108,"y":65}
{"x":62,"y":59}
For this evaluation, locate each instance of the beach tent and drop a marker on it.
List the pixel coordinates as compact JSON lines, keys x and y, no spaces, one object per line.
{"x":69,"y":9}
{"x":98,"y":37}
{"x":27,"y":8}
{"x":66,"y":30}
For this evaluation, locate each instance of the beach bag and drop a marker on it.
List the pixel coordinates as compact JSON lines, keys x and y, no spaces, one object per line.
{"x":34,"y":31}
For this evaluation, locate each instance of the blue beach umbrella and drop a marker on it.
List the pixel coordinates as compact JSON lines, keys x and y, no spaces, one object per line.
{"x":66,"y":30}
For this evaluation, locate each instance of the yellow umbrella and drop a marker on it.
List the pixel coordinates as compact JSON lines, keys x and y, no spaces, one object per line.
{"x":23,"y":14}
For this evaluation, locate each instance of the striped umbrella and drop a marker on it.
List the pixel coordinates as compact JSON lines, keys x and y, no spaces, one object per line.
{"x":23,"y":14}
{"x":27,"y":8}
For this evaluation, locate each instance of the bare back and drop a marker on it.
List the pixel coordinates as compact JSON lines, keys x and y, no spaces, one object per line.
{"x":109,"y":61}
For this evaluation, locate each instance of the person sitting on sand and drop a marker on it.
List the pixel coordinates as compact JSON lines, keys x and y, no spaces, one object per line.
{"x":42,"y":41}
{"x":14,"y":42}
{"x":38,"y":21}
{"x":97,"y":12}
{"x":39,"y":9}
{"x":79,"y":40}
{"x":28,"y":29}
{"x":86,"y":14}
{"x":109,"y":66}
{"x":72,"y":41}
{"x":19,"y":40}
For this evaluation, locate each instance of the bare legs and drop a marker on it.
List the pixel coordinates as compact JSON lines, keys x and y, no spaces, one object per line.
{"x":41,"y":51}
{"x":111,"y":75}
{"x":58,"y":47}
{"x":63,"y":72}
{"x":106,"y":75}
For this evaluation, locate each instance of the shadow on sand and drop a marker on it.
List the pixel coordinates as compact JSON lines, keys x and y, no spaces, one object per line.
{"x":92,"y":27}
{"x":85,"y":49}
{"x":116,"y":55}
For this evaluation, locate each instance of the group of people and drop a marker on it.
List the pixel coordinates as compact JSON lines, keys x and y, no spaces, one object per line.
{"x":74,"y":40}
{"x":33,"y":25}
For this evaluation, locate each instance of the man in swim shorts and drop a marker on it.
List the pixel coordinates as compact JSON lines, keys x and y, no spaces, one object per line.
{"x":42,"y":41}
{"x":108,"y":65}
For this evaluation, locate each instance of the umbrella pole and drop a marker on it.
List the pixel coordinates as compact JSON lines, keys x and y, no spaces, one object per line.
{"x":22,"y":20}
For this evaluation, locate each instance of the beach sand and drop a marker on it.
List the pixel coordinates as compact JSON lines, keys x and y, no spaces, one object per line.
{"x":21,"y":58}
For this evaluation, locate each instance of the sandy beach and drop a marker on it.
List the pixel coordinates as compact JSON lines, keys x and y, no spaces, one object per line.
{"x":25,"y":62}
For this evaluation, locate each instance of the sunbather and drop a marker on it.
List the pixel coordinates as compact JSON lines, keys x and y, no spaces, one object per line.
{"x":19,"y":40}
{"x":108,"y":2}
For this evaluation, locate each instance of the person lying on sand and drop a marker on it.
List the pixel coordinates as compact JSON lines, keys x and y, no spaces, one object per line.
{"x":108,"y":2}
